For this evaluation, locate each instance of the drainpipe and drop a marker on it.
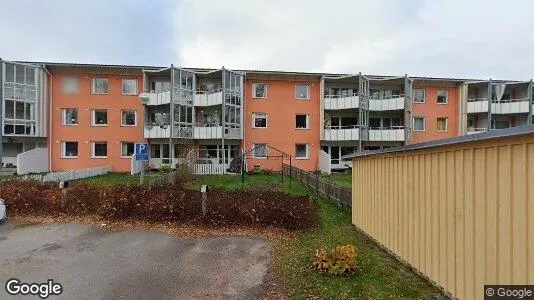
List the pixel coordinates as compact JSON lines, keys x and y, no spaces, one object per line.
{"x":1,"y":107}
{"x":243,"y":97}
{"x":171,"y":117}
{"x":490,"y":88}
{"x":50,"y":112}
{"x":223,"y":115}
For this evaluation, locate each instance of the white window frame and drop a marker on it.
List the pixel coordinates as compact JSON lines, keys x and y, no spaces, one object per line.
{"x":93,"y":118}
{"x":64,"y":117}
{"x":254,"y":120}
{"x":307,"y":91}
{"x":424,"y":96}
{"x":64,"y":149}
{"x":254,"y":151}
{"x":446,"y":97}
{"x":93,"y":149}
{"x":93,"y":86}
{"x":136,"y":87}
{"x":446,"y":124}
{"x":254,"y":85}
{"x":307,"y":151}
{"x":413,"y":123}
{"x":73,"y":80}
{"x":308,"y":116}
{"x":122,"y":148}
{"x":135,"y":117}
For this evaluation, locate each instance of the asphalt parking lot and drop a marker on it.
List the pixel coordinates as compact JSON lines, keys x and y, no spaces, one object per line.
{"x":93,"y":264}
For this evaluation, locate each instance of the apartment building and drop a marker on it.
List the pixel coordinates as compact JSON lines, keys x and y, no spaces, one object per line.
{"x":80,"y":115}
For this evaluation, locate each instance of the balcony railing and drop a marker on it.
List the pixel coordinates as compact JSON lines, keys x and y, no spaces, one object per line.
{"x":510,"y":106}
{"x":477,"y":99}
{"x":391,"y":133}
{"x":154,"y":131}
{"x":346,"y":101}
{"x":208,"y":98}
{"x":473,"y":130}
{"x":341,"y":133}
{"x":394,"y":102}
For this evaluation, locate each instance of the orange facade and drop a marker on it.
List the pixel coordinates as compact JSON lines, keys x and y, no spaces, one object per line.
{"x":85,"y":133}
{"x":431,"y":110}
{"x":281,"y":108}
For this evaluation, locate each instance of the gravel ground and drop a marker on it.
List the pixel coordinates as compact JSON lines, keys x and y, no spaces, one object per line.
{"x":93,"y":264}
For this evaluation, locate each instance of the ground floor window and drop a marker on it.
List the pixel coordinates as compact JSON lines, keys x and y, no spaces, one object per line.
{"x":99,"y":149}
{"x":214,"y":153}
{"x":127,"y":149}
{"x":69,"y":149}
{"x":302,"y":151}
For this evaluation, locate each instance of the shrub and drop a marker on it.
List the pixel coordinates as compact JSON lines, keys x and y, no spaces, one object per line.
{"x":161,"y":204}
{"x":266,"y":171}
{"x":342,"y":260}
{"x":165,"y":169}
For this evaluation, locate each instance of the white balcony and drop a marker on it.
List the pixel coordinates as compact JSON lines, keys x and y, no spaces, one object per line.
{"x":512,"y":106}
{"x":207,"y":132}
{"x":157,"y":132}
{"x":477,"y":105}
{"x":396,"y":103}
{"x":341,"y":102}
{"x":476,"y":130}
{"x":208,"y":99}
{"x":394,"y":134}
{"x":351,"y":133}
{"x":156,"y":98}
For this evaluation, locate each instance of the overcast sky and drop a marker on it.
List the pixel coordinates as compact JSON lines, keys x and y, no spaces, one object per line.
{"x":445,"y":38}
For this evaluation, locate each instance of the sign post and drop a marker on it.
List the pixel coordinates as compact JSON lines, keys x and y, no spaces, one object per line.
{"x":141,"y":154}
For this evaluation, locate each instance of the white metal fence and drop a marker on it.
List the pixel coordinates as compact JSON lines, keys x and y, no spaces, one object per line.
{"x":69,"y":175}
{"x":208,"y":169}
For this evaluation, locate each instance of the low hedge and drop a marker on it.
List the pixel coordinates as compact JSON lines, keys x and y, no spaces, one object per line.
{"x":160,"y":204}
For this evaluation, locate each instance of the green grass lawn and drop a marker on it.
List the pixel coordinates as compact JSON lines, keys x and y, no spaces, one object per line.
{"x":343,"y":179}
{"x":378,"y":276}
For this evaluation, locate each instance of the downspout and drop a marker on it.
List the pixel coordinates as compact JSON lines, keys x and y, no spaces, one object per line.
{"x":243,"y":127}
{"x":171,"y":117}
{"x":50,"y":112}
{"x":490,"y":88}
{"x":223,"y":115}
{"x":530,"y":103}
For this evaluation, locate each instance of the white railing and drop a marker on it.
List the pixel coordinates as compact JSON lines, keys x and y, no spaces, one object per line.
{"x":509,"y":100}
{"x":208,"y":98}
{"x":510,"y":106}
{"x":341,"y":133}
{"x":341,"y":102}
{"x":393,"y":133}
{"x":396,"y":103}
{"x":32,"y":161}
{"x":476,"y":130}
{"x":69,"y":175}
{"x":207,"y":132}
{"x":477,"y":105}
{"x":156,"y":131}
{"x":210,"y":169}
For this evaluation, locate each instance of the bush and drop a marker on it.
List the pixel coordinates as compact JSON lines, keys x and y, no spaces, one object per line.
{"x":342,"y":260}
{"x":161,"y":204}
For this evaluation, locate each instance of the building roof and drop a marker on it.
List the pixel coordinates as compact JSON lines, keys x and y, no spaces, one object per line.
{"x":275,"y":72}
{"x":492,"y":134}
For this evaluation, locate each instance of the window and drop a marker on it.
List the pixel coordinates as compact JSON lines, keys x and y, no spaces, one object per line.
{"x":418,"y":123}
{"x":99,"y":117}
{"x":127,"y":149}
{"x":129,"y":87}
{"x":302,"y":91}
{"x":443,"y":96}
{"x":302,"y":122}
{"x":260,"y":90}
{"x":100,"y":85}
{"x":260,"y":150}
{"x":69,"y":116}
{"x":301,"y":151}
{"x":418,"y":96}
{"x":155,"y":151}
{"x":259,"y":120}
{"x":129,"y":118}
{"x":99,"y":149}
{"x":69,"y":149}
{"x":442,"y":124}
{"x":70,"y":85}
{"x":500,"y":124}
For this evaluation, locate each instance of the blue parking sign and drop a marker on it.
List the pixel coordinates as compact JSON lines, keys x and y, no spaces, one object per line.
{"x":141,"y":152}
